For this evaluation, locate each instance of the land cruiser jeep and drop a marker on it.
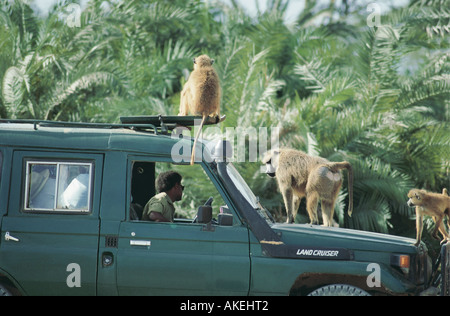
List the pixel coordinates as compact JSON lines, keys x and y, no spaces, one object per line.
{"x":71,"y":199}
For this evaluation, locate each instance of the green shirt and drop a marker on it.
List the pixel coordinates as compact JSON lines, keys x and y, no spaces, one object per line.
{"x":160,"y":203}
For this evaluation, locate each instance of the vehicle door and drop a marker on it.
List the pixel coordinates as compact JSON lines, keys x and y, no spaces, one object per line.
{"x":2,"y":202}
{"x":182,"y":258}
{"x":3,"y":187}
{"x":50,"y":232}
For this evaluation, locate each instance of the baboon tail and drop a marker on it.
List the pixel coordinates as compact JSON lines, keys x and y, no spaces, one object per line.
{"x":335,"y":166}
{"x":196,"y":138}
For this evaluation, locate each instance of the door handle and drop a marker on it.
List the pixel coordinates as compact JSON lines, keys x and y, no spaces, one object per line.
{"x":146,"y":243}
{"x":8,"y":237}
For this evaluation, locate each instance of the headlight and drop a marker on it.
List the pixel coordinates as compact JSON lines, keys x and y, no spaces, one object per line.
{"x":402,"y":262}
{"x":416,"y":268}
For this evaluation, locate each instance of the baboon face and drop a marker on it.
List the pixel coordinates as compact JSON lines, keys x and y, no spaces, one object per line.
{"x":271,"y":161}
{"x":203,"y":61}
{"x":270,"y":170}
{"x":415,"y":198}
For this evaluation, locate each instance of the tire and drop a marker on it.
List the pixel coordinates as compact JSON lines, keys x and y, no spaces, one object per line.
{"x":338,"y":290}
{"x":4,"y":291}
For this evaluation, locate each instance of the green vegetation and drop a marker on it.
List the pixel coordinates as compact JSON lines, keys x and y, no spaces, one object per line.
{"x":377,"y":96}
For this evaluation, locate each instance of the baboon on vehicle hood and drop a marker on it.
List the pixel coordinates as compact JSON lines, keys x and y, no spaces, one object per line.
{"x":301,"y":175}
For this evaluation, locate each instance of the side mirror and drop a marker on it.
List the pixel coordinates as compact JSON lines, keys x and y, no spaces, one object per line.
{"x":204,"y":214}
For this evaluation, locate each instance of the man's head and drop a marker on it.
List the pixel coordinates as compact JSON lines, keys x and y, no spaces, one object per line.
{"x":170,"y":182}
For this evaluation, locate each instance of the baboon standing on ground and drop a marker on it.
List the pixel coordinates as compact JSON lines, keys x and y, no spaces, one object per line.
{"x":201,"y":93}
{"x":300,"y":175}
{"x":432,"y":204}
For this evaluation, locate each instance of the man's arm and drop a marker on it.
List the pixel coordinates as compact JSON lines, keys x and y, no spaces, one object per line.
{"x":157,"y":217}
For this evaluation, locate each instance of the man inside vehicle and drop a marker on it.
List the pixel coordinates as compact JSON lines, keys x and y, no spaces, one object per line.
{"x":160,"y":207}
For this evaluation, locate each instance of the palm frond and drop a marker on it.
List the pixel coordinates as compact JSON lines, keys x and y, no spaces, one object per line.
{"x":433,"y":83}
{"x":61,"y":101}
{"x":16,"y":87}
{"x":13,"y":91}
{"x":372,"y":215}
{"x":314,"y":73}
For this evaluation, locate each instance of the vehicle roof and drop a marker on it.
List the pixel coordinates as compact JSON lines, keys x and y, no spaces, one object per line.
{"x":96,"y":137}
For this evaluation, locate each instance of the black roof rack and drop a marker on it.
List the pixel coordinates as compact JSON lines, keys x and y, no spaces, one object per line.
{"x":156,"y":123}
{"x":44,"y":123}
{"x":169,"y":122}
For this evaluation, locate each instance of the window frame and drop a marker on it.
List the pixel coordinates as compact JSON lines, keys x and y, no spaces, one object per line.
{"x":58,"y":163}
{"x":1,"y":166}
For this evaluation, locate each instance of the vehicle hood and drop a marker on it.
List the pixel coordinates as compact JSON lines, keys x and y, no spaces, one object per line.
{"x":318,"y":236}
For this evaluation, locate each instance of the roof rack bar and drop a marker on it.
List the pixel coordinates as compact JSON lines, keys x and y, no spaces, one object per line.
{"x":79,"y":124}
{"x":160,"y":120}
{"x":164,"y":123}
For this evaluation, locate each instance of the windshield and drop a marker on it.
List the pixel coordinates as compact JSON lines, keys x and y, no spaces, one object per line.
{"x":247,"y":193}
{"x":242,"y":186}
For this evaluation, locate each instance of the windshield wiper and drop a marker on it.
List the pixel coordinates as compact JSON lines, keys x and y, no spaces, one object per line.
{"x":265,"y":210}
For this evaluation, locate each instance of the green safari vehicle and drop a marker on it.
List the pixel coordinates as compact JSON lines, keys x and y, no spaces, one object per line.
{"x":71,"y":198}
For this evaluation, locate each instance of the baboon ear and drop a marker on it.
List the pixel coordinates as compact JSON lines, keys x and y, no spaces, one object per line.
{"x":212,"y":61}
{"x":194,"y":60}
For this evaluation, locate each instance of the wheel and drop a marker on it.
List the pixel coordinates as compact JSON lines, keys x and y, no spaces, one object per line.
{"x":4,"y":291}
{"x":338,"y":290}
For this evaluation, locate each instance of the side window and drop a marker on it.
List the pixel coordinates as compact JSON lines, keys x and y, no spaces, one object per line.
{"x":58,"y":186}
{"x":197,"y":189}
{"x":142,"y":187}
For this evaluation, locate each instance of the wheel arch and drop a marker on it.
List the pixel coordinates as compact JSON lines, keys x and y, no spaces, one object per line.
{"x":308,"y":282}
{"x":10,"y":284}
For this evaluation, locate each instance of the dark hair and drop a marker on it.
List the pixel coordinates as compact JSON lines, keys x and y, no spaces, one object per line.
{"x":167,"y":180}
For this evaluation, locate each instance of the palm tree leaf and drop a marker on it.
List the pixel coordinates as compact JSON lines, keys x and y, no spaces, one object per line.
{"x":60,"y":99}
{"x":13,"y":90}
